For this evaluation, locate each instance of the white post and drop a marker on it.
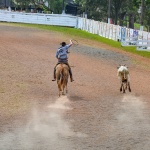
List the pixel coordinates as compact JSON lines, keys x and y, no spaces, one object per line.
{"x":9,"y":8}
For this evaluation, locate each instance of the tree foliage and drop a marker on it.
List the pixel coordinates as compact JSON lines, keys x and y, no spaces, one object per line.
{"x":147,"y":14}
{"x":122,"y":11}
{"x":54,"y":6}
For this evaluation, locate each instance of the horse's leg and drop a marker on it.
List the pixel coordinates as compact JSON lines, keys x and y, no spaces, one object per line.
{"x":59,"y":89}
{"x":129,"y":86}
{"x":63,"y":93}
{"x":126,"y":85}
{"x":65,"y":86}
{"x":121,"y":87}
{"x":62,"y":87}
{"x":66,"y":89}
{"x":58,"y":81}
{"x":59,"y":92}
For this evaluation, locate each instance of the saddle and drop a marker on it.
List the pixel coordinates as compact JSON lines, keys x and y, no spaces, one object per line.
{"x":70,"y":72}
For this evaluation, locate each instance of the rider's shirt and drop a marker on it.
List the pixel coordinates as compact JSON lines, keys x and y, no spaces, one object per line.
{"x":62,"y":52}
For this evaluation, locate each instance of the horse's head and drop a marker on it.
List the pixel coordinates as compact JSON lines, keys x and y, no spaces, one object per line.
{"x":122,"y":66}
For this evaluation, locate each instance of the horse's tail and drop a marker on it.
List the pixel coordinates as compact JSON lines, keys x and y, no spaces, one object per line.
{"x":64,"y":74}
{"x":61,"y":75}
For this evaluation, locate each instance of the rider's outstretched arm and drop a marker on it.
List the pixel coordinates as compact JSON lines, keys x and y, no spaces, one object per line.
{"x":71,"y":42}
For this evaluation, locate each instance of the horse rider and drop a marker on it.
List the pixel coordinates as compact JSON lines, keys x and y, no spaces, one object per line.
{"x":62,"y":57}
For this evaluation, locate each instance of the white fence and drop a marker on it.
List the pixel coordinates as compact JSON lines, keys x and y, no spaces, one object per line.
{"x":100,"y":28}
{"x":111,"y":31}
{"x":39,"y":18}
{"x":143,"y":45}
{"x":126,"y":36}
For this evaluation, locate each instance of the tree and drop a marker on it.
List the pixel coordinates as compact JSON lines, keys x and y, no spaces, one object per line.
{"x":23,"y":4}
{"x":147,"y":14}
{"x":95,"y":9}
{"x":121,"y":11}
{"x":55,"y":6}
{"x":132,"y":11}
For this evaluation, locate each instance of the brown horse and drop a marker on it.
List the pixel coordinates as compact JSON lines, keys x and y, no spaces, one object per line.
{"x":62,"y":74}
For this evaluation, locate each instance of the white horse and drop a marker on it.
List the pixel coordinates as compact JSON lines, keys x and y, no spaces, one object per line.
{"x":123,"y":74}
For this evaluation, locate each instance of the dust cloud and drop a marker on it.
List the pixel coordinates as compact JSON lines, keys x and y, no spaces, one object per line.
{"x":133,"y":114}
{"x":129,"y":127}
{"x":132,"y":110}
{"x":132,"y":124}
{"x":46,"y":130}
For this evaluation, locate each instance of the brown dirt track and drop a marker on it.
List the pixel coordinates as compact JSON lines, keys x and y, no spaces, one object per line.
{"x":93,"y":116}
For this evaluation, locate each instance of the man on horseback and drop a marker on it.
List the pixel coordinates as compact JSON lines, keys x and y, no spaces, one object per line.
{"x":62,"y":57}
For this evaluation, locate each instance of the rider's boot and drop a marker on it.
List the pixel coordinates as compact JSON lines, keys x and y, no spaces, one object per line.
{"x":71,"y":77}
{"x":54,"y":75}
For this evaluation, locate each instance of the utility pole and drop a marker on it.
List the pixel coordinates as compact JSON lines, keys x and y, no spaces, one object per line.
{"x":109,"y":5}
{"x":142,"y":14}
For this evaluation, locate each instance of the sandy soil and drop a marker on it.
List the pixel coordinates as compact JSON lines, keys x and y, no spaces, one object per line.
{"x":94,"y":115}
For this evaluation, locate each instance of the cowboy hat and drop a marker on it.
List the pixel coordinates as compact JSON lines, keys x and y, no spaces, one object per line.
{"x":63,"y":43}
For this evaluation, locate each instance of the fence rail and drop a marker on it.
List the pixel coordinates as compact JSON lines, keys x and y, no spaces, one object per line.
{"x":143,"y":45}
{"x":39,"y":18}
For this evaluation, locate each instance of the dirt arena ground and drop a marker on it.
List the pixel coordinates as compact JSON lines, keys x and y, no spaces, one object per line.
{"x":94,"y":115}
